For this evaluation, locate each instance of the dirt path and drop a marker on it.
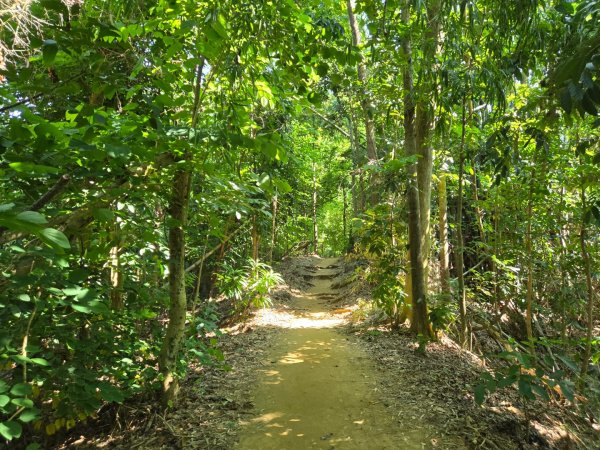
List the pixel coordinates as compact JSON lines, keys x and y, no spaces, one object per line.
{"x":318,"y":390}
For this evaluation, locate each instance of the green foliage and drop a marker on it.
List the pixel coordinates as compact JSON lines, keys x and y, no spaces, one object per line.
{"x":442,"y":314}
{"x":202,"y":344}
{"x":249,"y":286}
{"x":531,"y":381}
{"x":386,"y":276}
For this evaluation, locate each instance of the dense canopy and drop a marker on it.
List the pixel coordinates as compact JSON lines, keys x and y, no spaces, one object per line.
{"x":159,"y":155}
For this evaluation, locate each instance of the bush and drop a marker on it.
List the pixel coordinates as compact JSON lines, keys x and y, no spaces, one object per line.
{"x":248,"y":286}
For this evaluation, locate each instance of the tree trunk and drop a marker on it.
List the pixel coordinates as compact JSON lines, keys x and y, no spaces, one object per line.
{"x":197,"y":285}
{"x":273,"y":227}
{"x":344,"y":210}
{"x":424,"y":125}
{"x":116,"y":273}
{"x":255,"y":238}
{"x":529,"y":248}
{"x":178,"y":210}
{"x":420,"y":321}
{"x":366,"y":107}
{"x":444,"y":247}
{"x":478,"y":213}
{"x":460,"y":242}
{"x":315,"y":230}
{"x":356,"y":211}
{"x":424,"y":171}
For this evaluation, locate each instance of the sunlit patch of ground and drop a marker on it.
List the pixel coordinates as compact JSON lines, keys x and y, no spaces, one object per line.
{"x":287,"y":319}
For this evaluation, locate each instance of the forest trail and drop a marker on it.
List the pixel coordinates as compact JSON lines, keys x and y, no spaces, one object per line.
{"x":318,"y":389}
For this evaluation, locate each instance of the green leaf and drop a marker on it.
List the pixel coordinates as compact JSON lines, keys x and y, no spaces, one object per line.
{"x":4,"y":400}
{"x":525,"y":389}
{"x":24,"y":402}
{"x":81,"y":308}
{"x":10,"y":429}
{"x":111,"y":393}
{"x":32,"y":169}
{"x":118,"y":151}
{"x":73,"y":291}
{"x":34,"y":446}
{"x":6,"y":207}
{"x":54,"y":238}
{"x":480,"y":393}
{"x":541,"y":391}
{"x":282,"y":185}
{"x":104,"y":215}
{"x":49,"y":51}
{"x":32,"y":217}
{"x":29,"y":415}
{"x":91,"y":306}
{"x":567,"y":389}
{"x":21,"y":389}
{"x":40,"y":361}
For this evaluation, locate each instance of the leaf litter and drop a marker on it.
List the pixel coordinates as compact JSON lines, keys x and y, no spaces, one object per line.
{"x":434,"y":389}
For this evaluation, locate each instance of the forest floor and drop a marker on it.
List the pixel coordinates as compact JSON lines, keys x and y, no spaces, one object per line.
{"x":311,"y":373}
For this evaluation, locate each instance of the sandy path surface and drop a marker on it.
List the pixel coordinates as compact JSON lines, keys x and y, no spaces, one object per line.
{"x":318,"y":390}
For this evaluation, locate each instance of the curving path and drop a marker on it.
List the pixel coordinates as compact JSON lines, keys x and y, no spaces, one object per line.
{"x":317,"y":389}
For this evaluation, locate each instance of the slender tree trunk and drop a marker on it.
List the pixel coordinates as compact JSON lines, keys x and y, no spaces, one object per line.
{"x":444,"y":247}
{"x":424,"y":172}
{"x":478,"y":212}
{"x":255,"y":238}
{"x":587,"y":264}
{"x":178,"y":209}
{"x":420,"y":321}
{"x":529,"y":249}
{"x":178,"y":212}
{"x":497,"y":246}
{"x":355,"y":164}
{"x":424,"y":125}
{"x":197,"y":285}
{"x":315,"y":230}
{"x":460,"y":247}
{"x":364,"y":102}
{"x":345,"y":209}
{"x":116,"y":272}
{"x":273,"y":228}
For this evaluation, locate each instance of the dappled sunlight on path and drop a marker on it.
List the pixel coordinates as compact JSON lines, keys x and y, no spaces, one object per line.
{"x":318,"y":389}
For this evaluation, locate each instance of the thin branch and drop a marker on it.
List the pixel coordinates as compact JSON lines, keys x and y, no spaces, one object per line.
{"x":215,"y":248}
{"x":58,"y":187}
{"x":334,"y":125}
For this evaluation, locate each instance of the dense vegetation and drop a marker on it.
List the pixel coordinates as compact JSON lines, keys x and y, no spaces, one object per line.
{"x":154,"y":154}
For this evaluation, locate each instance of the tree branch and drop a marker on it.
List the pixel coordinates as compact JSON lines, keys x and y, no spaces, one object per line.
{"x":58,"y":187}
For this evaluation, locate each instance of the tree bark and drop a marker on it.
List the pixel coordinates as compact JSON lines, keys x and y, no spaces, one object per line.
{"x":529,"y":248}
{"x":345,"y":208}
{"x":255,"y":238}
{"x":315,"y":230}
{"x":420,"y":321}
{"x":274,"y":205}
{"x":116,"y":273}
{"x":460,"y":242}
{"x":178,"y":210}
{"x":355,"y":158}
{"x":444,"y":247}
{"x":424,"y":125}
{"x":366,"y":107}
